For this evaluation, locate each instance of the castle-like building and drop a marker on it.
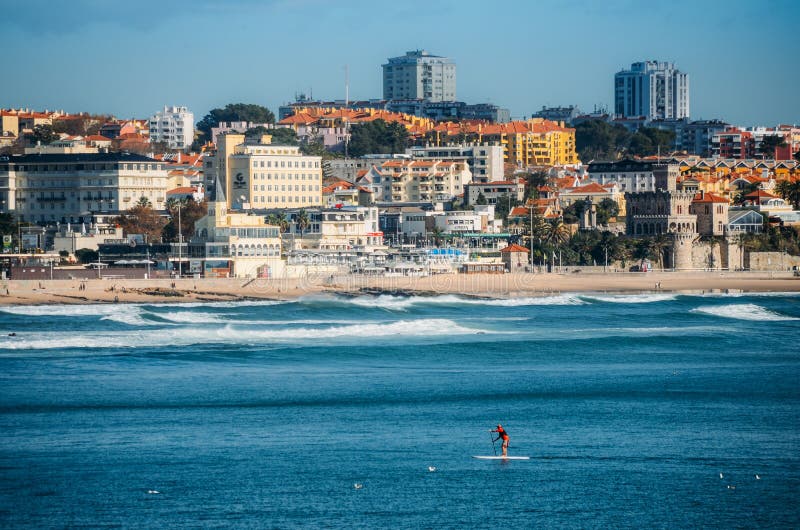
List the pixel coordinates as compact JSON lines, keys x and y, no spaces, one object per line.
{"x":683,"y":216}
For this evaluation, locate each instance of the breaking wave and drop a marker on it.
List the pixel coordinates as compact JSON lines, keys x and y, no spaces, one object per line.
{"x":631,"y":298}
{"x":743,"y":312}
{"x":231,"y":334}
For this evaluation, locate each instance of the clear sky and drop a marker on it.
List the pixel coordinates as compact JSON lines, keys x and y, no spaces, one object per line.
{"x":131,"y":57}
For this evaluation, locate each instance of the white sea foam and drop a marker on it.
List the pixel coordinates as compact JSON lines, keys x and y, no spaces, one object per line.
{"x":232,"y":334}
{"x":743,"y":312}
{"x":191,"y":317}
{"x":631,"y":298}
{"x":129,"y":314}
{"x":63,"y":310}
{"x":403,"y":303}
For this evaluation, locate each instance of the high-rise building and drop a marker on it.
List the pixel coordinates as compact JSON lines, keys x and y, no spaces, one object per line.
{"x":654,"y":90}
{"x":419,"y":75}
{"x":174,"y":126}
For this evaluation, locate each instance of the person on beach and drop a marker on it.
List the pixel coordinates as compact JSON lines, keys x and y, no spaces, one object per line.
{"x":501,"y":433}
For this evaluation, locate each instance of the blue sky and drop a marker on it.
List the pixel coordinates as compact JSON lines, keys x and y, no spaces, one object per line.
{"x":130,"y":58}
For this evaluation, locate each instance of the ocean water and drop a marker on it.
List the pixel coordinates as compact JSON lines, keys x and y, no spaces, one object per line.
{"x":638,"y":411}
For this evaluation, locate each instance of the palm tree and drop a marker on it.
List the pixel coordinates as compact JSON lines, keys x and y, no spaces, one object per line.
{"x":144,"y":202}
{"x":280,"y":220}
{"x":790,"y":191}
{"x":437,"y":234}
{"x":658,"y":245}
{"x":302,"y":220}
{"x":557,"y":232}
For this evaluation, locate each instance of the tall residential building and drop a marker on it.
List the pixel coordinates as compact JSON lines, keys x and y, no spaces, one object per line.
{"x":264,"y":176}
{"x":173,"y":126}
{"x":419,"y":75}
{"x":70,"y":188}
{"x":655,"y":90}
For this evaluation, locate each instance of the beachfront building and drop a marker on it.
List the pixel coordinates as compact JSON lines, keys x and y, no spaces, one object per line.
{"x":351,"y":228}
{"x":264,"y":176}
{"x":515,"y":257}
{"x":711,"y":212}
{"x":50,"y":188}
{"x":234,"y":244}
{"x":173,"y":126}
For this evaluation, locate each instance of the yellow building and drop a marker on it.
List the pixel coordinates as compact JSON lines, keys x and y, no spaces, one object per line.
{"x":265,"y":176}
{"x":235,"y":244}
{"x":535,"y":142}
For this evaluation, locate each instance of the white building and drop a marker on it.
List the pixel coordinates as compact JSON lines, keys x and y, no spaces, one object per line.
{"x":404,"y":180}
{"x":71,"y":188}
{"x":336,"y":229}
{"x":484,"y":161}
{"x":419,"y":75}
{"x":655,"y":90}
{"x":174,"y":126}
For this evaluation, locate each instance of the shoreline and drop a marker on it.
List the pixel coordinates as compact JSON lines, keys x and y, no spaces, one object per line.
{"x":496,"y":286}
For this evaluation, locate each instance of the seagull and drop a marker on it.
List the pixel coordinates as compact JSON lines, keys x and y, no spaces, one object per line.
{"x":720,"y":475}
{"x":431,"y":468}
{"x":758,"y":478}
{"x":358,"y":485}
{"x":153,"y":492}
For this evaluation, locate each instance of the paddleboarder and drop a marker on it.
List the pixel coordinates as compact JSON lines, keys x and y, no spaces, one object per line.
{"x":501,"y":433}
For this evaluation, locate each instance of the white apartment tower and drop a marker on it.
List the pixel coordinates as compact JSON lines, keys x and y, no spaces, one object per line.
{"x":173,"y":126}
{"x":419,"y":75}
{"x":653,"y":89}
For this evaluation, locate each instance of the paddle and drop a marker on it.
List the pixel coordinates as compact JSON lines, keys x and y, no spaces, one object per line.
{"x":492,"y":439}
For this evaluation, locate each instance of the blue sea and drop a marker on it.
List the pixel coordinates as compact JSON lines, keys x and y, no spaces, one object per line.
{"x":638,"y":411}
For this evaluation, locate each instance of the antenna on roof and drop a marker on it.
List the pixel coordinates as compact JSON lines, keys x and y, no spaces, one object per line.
{"x":346,"y":86}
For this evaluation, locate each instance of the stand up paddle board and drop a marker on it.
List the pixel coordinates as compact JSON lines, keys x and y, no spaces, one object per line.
{"x":502,"y":457}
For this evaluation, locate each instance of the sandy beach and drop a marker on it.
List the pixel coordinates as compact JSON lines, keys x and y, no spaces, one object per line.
{"x":485,"y":285}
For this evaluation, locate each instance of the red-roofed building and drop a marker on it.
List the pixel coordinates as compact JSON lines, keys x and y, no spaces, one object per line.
{"x":515,"y":257}
{"x":711,"y":212}
{"x":343,"y":193}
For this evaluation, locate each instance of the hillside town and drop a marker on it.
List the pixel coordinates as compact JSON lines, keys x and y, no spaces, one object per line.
{"x":416,"y":183}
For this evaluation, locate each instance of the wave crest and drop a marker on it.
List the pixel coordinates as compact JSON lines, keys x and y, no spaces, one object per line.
{"x":751,"y":312}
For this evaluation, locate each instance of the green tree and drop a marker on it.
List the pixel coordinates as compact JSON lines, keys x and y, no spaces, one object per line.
{"x":280,"y":220}
{"x":235,"y":112}
{"x":770,"y":144}
{"x":257,"y":132}
{"x":43,"y":134}
{"x":790,"y":191}
{"x":315,"y":148}
{"x":302,"y":220}
{"x":86,"y":255}
{"x":504,"y":205}
{"x":606,"y":209}
{"x":283,"y":136}
{"x":190,"y":212}
{"x":142,"y":219}
{"x":377,"y":137}
{"x":534,"y":181}
{"x":481,"y":199}
{"x":144,"y":202}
